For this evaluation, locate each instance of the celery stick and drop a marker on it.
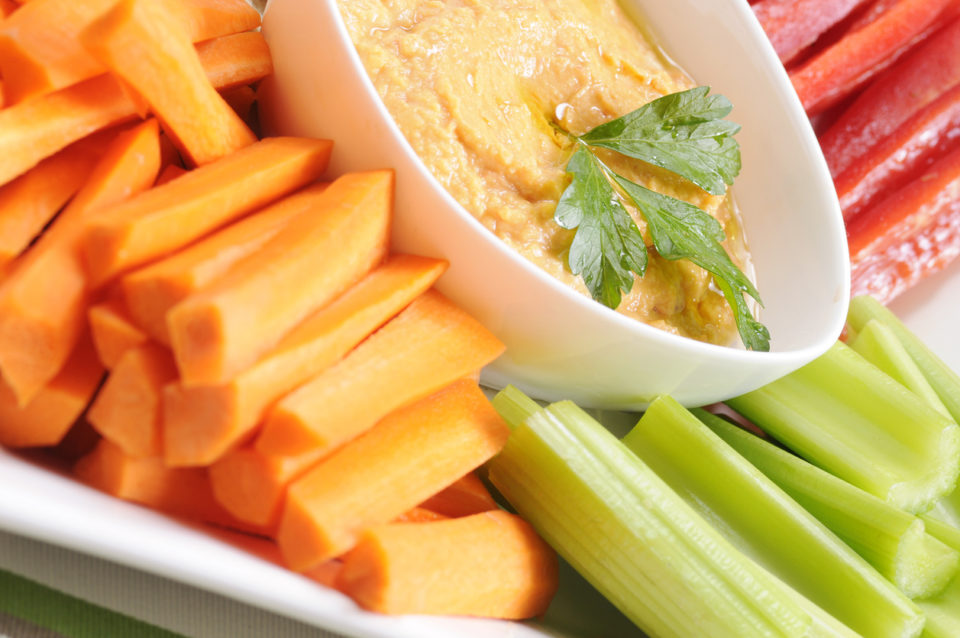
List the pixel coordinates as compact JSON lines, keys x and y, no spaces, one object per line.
{"x":845,"y":415}
{"x":763,"y":522}
{"x":634,"y":539}
{"x":891,"y":540}
{"x":941,"y":378}
{"x":943,"y":612}
{"x":878,"y":344}
{"x":514,"y":406}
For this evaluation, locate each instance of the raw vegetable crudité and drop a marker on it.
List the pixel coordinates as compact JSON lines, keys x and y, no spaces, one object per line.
{"x":257,"y":335}
{"x":862,"y":539}
{"x":880,"y":80}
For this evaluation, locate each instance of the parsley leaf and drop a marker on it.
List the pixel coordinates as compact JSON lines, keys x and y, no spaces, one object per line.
{"x":608,"y":247}
{"x":682,"y":231}
{"x":683,"y":132}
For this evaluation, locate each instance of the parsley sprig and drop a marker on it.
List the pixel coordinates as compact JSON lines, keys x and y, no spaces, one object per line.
{"x":686,"y":134}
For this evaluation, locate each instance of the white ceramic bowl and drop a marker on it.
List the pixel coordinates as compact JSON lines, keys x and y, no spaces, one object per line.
{"x":559,"y":343}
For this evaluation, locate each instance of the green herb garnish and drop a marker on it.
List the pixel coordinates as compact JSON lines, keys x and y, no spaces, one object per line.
{"x":686,"y":134}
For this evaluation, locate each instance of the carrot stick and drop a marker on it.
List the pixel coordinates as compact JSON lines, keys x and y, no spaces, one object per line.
{"x":35,"y":129}
{"x":169,"y":156}
{"x":235,"y":60}
{"x":6,"y":8}
{"x":113,"y":331}
{"x":168,"y":174}
{"x":224,"y":329}
{"x":40,"y":50}
{"x":47,"y":418}
{"x":146,"y":480}
{"x":500,"y":566}
{"x":839,"y":70}
{"x":423,"y":349}
{"x":165,"y":219}
{"x":419,"y":515}
{"x":43,"y":301}
{"x":408,"y":456}
{"x":467,"y":496}
{"x":127,"y":409}
{"x":153,"y":290}
{"x":326,"y":574}
{"x":202,"y":422}
{"x":145,"y":44}
{"x":28,"y":203}
{"x":241,"y":100}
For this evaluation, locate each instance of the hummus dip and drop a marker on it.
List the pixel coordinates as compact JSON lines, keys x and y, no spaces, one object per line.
{"x":474,"y":86}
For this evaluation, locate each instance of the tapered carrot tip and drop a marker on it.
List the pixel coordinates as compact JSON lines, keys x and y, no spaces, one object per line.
{"x":127,"y":410}
{"x":492,"y":565}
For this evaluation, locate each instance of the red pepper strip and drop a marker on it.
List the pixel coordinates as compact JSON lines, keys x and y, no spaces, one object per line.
{"x":793,"y":25}
{"x":860,"y":55}
{"x":911,"y":234}
{"x":902,"y":155}
{"x":908,"y":86}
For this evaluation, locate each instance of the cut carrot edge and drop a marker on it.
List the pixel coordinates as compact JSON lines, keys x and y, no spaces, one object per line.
{"x":408,"y":569}
{"x":465,"y":497}
{"x":127,"y":411}
{"x":410,"y":455}
{"x":113,"y":331}
{"x":49,"y":416}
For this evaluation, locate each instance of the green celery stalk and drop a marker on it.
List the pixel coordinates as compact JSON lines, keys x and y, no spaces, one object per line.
{"x":845,"y":415}
{"x":941,"y":378}
{"x":943,"y":611}
{"x":634,"y":539}
{"x":877,"y":343}
{"x":891,"y":540}
{"x":763,"y":522}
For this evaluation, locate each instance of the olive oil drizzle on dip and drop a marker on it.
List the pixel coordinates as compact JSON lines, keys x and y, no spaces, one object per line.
{"x":476,"y":85}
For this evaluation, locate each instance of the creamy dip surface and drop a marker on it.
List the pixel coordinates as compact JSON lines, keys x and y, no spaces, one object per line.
{"x":474,"y":85}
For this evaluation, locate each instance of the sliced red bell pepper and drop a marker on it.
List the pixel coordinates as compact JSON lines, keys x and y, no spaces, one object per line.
{"x":909,"y":235}
{"x":903,"y":155}
{"x":895,"y":96}
{"x":860,"y":55}
{"x":793,"y":25}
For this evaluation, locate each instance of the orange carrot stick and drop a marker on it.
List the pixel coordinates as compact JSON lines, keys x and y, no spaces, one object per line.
{"x":40,"y":51}
{"x":146,"y":480}
{"x":47,"y":418}
{"x":113,"y":331}
{"x":241,"y":100}
{"x":165,"y":219}
{"x":235,"y":60}
{"x":202,"y":422}
{"x":423,"y":349}
{"x":145,"y":44}
{"x":153,"y":290}
{"x":169,"y":156}
{"x":224,"y":329}
{"x":127,"y":409}
{"x":408,"y":456}
{"x":500,"y":566}
{"x":252,"y":485}
{"x":168,"y":174}
{"x":28,"y":203}
{"x":419,"y":515}
{"x":35,"y":129}
{"x":465,"y":497}
{"x":6,"y":8}
{"x":43,"y":301}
